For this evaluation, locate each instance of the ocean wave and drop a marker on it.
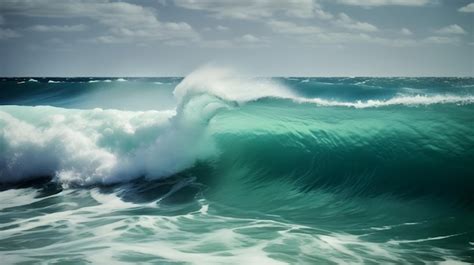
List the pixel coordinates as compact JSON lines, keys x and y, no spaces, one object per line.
{"x":84,"y":147}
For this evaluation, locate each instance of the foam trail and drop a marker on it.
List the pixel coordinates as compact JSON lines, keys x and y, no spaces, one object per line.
{"x":399,"y":100}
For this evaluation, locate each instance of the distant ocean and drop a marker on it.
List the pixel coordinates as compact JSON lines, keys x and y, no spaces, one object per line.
{"x":215,"y":168}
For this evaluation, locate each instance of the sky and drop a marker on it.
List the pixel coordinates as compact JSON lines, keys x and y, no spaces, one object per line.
{"x":261,"y":37}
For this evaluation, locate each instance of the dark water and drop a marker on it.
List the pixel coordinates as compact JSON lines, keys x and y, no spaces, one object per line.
{"x":216,"y":169}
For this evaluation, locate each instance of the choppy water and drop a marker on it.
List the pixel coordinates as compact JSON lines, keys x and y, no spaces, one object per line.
{"x":221,"y":169}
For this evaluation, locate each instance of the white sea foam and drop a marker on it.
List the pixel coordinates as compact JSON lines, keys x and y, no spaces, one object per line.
{"x":96,"y":146}
{"x":399,"y":100}
{"x":32,"y":80}
{"x":396,"y":242}
{"x":121,"y":80}
{"x":104,"y":81}
{"x":13,"y":198}
{"x":388,"y":227}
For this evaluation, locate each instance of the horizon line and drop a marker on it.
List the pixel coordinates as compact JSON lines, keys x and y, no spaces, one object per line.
{"x":276,"y":76}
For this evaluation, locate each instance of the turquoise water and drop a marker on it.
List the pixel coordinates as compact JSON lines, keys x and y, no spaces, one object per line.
{"x":220,"y":169}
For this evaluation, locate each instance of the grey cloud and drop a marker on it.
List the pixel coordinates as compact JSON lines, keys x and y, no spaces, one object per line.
{"x":346,"y":22}
{"x":375,"y":3}
{"x":222,"y":28}
{"x":442,"y":40}
{"x":244,"y":41}
{"x":8,"y":34}
{"x":55,"y":28}
{"x":124,"y":20}
{"x":406,"y":32}
{"x":451,"y":29}
{"x":467,"y":9}
{"x":159,"y":37}
{"x":256,"y":9}
{"x":315,"y":35}
{"x":291,"y":28}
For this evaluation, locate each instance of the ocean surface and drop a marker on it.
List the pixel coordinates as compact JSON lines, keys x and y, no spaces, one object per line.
{"x":218,"y":168}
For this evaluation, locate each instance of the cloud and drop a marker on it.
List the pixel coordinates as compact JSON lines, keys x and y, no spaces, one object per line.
{"x":8,"y":34}
{"x":222,"y":28}
{"x":442,"y":40}
{"x":163,"y":31}
{"x":291,"y":28}
{"x":216,"y":28}
{"x":124,"y":21}
{"x":244,"y":41}
{"x":56,"y":41}
{"x":346,"y":22}
{"x":467,"y":9}
{"x":249,"y":38}
{"x":312,"y":35}
{"x":256,"y":9}
{"x":375,"y":3}
{"x":406,"y":32}
{"x":354,"y":38}
{"x":219,"y":44}
{"x":451,"y":29}
{"x":2,"y":20}
{"x":54,"y":28}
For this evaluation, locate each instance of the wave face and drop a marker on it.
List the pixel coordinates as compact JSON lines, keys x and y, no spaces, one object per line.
{"x":221,"y":168}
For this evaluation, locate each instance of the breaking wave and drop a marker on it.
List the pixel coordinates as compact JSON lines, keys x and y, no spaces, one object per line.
{"x":93,"y":146}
